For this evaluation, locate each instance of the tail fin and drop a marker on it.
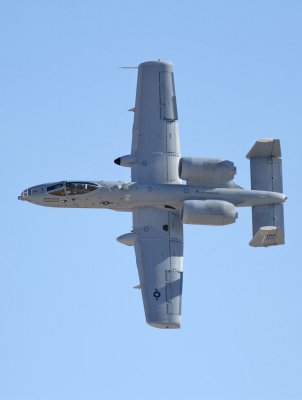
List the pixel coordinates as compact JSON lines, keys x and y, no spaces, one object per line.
{"x":266,"y":174}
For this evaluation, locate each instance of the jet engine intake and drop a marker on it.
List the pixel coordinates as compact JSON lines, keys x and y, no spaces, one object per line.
{"x":208,"y":212}
{"x":209,"y":172}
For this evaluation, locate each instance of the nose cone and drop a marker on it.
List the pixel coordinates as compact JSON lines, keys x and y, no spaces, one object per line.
{"x":32,"y":194}
{"x":24,"y":195}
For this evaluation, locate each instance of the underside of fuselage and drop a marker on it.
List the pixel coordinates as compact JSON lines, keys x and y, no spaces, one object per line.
{"x":159,"y":201}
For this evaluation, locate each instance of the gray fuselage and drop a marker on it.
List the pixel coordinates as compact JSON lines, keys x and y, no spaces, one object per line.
{"x":124,"y":196}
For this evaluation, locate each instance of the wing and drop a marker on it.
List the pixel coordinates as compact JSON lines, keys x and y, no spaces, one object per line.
{"x":159,"y":257}
{"x":155,"y":138}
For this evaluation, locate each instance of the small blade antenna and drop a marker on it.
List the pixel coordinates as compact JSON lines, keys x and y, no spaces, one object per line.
{"x":128,"y":67}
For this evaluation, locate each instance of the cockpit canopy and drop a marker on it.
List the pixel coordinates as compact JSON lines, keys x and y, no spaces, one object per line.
{"x":71,"y":188}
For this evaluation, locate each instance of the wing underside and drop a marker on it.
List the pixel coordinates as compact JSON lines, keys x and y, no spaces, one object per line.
{"x":159,"y":257}
{"x":155,"y":137}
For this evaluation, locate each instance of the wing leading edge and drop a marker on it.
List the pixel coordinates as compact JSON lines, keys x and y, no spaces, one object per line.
{"x":159,"y":257}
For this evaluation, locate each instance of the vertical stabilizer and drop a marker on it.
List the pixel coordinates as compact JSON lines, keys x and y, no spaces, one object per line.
{"x":266,"y":175}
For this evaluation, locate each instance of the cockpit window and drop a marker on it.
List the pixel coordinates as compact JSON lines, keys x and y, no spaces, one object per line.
{"x":59,"y":192}
{"x":80,"y":187}
{"x":54,"y":187}
{"x":57,"y":189}
{"x":71,"y":188}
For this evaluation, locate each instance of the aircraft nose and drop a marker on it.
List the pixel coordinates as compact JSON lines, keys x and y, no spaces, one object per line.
{"x":24,"y":195}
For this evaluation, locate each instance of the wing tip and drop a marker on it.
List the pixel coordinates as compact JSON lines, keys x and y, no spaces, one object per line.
{"x":172,"y":322}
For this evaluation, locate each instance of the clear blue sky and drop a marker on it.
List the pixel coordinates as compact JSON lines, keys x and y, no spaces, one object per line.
{"x":71,"y":326}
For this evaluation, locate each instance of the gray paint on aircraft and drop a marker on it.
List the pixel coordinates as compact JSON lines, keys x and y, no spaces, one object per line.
{"x":159,"y":201}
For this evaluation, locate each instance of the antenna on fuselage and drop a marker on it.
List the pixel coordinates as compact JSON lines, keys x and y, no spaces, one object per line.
{"x":128,"y":67}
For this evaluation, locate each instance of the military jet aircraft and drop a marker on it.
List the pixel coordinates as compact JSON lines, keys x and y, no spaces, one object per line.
{"x":159,"y":201}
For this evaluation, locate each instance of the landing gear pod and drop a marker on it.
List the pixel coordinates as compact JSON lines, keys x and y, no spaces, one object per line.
{"x":125,"y":161}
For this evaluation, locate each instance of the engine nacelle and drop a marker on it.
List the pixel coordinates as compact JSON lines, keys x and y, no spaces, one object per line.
{"x":208,"y":212}
{"x":210,"y":172}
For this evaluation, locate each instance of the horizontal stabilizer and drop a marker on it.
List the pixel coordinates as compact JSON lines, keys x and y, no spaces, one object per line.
{"x":268,"y":236}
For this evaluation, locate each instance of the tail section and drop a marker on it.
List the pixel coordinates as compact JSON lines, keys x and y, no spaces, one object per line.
{"x":266,"y":174}
{"x":268,"y":236}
